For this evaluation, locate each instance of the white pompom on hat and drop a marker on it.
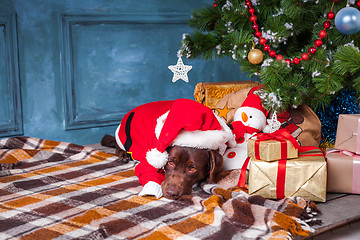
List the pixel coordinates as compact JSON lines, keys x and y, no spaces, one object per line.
{"x":188,"y":124}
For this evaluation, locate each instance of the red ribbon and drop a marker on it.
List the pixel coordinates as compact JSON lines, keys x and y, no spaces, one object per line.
{"x":280,"y":135}
{"x":242,"y":177}
{"x":280,"y":181}
{"x":303,"y":151}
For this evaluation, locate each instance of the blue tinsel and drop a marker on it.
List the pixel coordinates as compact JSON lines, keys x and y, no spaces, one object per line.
{"x":345,"y":102}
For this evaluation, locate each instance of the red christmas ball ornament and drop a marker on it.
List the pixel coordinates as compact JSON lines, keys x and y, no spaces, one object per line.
{"x":266,"y":47}
{"x":251,"y":10}
{"x":358,"y":4}
{"x":248,"y":3}
{"x":253,"y":18}
{"x":272,"y":53}
{"x":296,"y":60}
{"x":318,"y":42}
{"x":330,"y":15}
{"x":305,"y":56}
{"x":279,"y":57}
{"x":215,"y":5}
{"x":312,"y":50}
{"x":258,"y":34}
{"x":326,"y":24}
{"x":288,"y":61}
{"x":255,"y":26}
{"x":322,"y":34}
{"x":262,"y":41}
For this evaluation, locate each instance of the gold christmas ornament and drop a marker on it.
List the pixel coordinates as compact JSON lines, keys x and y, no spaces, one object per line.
{"x":255,"y":56}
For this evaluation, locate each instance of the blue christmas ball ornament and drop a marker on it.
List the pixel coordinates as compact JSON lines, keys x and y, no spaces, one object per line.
{"x":347,"y":20}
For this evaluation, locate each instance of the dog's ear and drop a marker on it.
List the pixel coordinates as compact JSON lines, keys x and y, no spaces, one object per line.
{"x":216,"y":164}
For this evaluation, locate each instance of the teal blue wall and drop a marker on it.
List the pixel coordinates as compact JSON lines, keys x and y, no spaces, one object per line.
{"x":70,"y":69}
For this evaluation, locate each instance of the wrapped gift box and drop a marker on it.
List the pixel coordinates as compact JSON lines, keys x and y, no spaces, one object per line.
{"x":348,"y":133}
{"x":304,"y":176}
{"x":270,"y":150}
{"x":210,"y":93}
{"x":343,"y":172}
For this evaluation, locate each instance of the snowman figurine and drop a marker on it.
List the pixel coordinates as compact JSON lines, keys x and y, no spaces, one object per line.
{"x":249,"y":120}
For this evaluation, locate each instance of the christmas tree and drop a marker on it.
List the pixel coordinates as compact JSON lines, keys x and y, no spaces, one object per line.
{"x":303,"y":51}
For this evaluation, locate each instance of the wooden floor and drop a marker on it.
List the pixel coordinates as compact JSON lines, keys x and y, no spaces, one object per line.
{"x":340,"y":217}
{"x":340,"y":214}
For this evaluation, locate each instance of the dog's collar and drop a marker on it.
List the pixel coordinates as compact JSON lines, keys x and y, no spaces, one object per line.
{"x":161,"y":170}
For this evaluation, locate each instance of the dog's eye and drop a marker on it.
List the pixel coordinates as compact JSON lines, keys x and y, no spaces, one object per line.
{"x":171,"y":162}
{"x":192,"y":168}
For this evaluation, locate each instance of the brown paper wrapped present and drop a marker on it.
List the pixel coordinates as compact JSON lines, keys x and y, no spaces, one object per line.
{"x":270,"y":150}
{"x":303,"y":177}
{"x":348,"y":133}
{"x":343,"y":172}
{"x":210,"y":93}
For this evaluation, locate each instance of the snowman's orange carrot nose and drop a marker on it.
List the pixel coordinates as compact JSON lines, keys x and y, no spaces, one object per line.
{"x":244,"y":117}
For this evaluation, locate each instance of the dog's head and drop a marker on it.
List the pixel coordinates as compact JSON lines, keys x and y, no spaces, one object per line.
{"x":187,"y":166}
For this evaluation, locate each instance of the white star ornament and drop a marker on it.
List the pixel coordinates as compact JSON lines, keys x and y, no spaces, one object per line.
{"x":180,"y":70}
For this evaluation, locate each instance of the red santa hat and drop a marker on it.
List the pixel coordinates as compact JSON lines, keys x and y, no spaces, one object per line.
{"x":254,"y":101}
{"x":188,"y":124}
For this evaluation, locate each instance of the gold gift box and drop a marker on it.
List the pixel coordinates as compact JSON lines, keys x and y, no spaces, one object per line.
{"x":270,"y":150}
{"x":305,"y":177}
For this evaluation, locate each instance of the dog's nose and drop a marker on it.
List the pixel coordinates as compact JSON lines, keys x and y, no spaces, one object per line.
{"x":172,"y":193}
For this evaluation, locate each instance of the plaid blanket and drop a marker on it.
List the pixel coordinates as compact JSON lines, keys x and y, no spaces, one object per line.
{"x":58,"y":190}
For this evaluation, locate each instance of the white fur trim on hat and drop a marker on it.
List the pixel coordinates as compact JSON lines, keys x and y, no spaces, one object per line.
{"x":156,"y":158}
{"x":151,"y":188}
{"x":231,"y":142}
{"x":160,"y":124}
{"x":117,"y":138}
{"x":211,"y":139}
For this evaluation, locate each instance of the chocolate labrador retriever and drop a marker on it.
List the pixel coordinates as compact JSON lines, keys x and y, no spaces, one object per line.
{"x":186,"y":167}
{"x":150,"y":133}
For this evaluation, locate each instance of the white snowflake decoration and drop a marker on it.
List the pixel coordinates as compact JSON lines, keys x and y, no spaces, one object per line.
{"x":315,"y":74}
{"x":273,"y":123}
{"x":227,"y":6}
{"x":180,"y":70}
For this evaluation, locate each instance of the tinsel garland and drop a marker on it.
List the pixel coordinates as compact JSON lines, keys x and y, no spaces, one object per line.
{"x":345,"y":102}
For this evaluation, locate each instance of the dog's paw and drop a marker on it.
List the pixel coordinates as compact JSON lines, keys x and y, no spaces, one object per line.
{"x":151,"y":188}
{"x":124,"y":156}
{"x":228,"y":179}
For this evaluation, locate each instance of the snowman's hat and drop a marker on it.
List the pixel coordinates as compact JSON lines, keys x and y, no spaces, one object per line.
{"x":254,"y":101}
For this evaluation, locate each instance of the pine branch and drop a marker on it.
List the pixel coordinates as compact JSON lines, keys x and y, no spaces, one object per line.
{"x":199,"y":45}
{"x":204,"y":19}
{"x":347,"y":60}
{"x":290,"y":27}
